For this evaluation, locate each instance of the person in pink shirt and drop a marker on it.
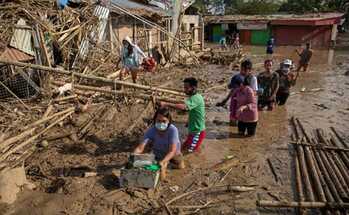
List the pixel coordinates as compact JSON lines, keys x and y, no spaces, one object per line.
{"x":247,"y":109}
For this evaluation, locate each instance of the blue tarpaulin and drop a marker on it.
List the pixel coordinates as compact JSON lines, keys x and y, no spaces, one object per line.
{"x":62,"y":3}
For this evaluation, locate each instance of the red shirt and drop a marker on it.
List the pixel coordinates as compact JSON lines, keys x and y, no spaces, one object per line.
{"x":246,"y":96}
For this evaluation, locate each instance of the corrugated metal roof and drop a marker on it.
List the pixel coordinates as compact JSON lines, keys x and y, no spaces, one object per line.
{"x":102,"y":13}
{"x":22,"y":39}
{"x":138,"y":6}
{"x":15,"y":55}
{"x":303,"y":17}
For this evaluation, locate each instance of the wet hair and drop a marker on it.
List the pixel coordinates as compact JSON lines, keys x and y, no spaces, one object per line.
{"x":246,"y":64}
{"x":163,"y":111}
{"x":191,"y":81}
{"x":248,"y":80}
{"x":267,"y":61}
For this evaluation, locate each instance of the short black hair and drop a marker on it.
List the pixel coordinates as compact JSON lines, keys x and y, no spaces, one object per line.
{"x":248,"y":80}
{"x":191,"y":81}
{"x":246,"y":64}
{"x":165,"y":112}
{"x":267,"y":61}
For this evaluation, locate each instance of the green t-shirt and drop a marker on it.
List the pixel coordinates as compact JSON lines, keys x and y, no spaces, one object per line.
{"x":196,"y":107}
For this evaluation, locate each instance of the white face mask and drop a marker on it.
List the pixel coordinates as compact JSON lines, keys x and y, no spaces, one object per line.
{"x":161,"y":126}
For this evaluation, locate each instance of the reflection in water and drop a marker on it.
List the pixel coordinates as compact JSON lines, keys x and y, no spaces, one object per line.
{"x":330,"y":56}
{"x":320,"y":57}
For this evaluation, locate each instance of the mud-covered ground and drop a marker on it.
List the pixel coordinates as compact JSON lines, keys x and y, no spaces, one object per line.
{"x":56,"y":170}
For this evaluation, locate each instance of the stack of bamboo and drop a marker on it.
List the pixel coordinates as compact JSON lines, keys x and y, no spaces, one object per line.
{"x":321,"y":170}
{"x":16,"y":149}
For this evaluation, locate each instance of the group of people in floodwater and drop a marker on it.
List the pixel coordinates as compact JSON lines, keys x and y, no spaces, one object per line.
{"x":248,"y":94}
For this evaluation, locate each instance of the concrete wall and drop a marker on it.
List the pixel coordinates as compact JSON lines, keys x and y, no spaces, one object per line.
{"x":192,"y":20}
{"x":125,"y":26}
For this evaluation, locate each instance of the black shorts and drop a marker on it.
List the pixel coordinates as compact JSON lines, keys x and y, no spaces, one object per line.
{"x":249,"y":126}
{"x":265,"y":103}
{"x":281,"y":97}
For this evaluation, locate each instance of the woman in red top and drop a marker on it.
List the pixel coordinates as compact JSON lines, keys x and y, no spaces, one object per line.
{"x":247,"y":109}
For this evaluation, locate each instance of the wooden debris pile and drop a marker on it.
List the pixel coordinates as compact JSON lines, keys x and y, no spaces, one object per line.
{"x":223,"y":57}
{"x":321,"y":171}
{"x":58,"y":35}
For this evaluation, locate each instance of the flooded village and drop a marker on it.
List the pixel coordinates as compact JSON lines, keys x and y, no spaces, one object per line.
{"x":163,"y":107}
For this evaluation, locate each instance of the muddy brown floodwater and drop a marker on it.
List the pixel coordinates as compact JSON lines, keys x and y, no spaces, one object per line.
{"x":329,"y":107}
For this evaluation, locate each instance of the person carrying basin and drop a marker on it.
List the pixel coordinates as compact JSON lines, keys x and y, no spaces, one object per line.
{"x":163,"y":135}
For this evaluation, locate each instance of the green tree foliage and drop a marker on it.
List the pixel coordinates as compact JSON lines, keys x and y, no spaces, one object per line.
{"x":256,"y":7}
{"x":303,"y":6}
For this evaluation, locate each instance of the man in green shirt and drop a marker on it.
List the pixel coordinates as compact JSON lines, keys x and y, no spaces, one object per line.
{"x":195,"y":105}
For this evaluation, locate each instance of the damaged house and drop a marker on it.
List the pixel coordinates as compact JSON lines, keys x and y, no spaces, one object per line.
{"x":86,"y":37}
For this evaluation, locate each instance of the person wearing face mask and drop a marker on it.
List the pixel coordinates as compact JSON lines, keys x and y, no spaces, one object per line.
{"x":287,"y":79}
{"x":131,"y":56}
{"x":195,"y":105}
{"x":268,"y":86}
{"x":165,"y":141}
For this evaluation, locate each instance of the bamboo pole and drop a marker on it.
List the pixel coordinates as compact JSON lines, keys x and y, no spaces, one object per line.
{"x":322,"y":168}
{"x":285,"y":204}
{"x":321,"y":147}
{"x":169,"y":34}
{"x":328,"y":194}
{"x":16,"y":138}
{"x":114,"y":92}
{"x":91,"y":77}
{"x":341,"y":166}
{"x":337,"y":176}
{"x":19,"y":146}
{"x":65,"y":98}
{"x":340,"y":138}
{"x":304,"y":169}
{"x":45,"y":119}
{"x":327,"y":177}
{"x":343,"y":155}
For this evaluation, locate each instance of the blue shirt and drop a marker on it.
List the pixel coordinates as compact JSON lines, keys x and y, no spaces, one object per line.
{"x":162,"y":141}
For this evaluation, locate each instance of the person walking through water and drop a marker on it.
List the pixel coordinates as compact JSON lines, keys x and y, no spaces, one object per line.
{"x":305,"y":57}
{"x":287,"y":79}
{"x":247,"y":111}
{"x":195,"y":105}
{"x":268,"y":86}
{"x":245,"y":70}
{"x":131,"y":57}
{"x":163,"y":136}
{"x":270,"y":47}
